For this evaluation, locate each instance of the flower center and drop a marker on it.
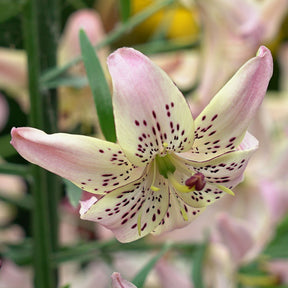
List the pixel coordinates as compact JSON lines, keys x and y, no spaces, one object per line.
{"x":166,"y":168}
{"x":165,"y":165}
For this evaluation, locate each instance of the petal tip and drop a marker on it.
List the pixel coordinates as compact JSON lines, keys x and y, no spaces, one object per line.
{"x":263,"y":51}
{"x":14,"y":134}
{"x":86,"y":205}
{"x":129,"y":55}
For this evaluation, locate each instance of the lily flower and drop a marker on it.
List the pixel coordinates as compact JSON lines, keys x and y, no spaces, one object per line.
{"x":166,"y":167}
{"x":119,"y":282}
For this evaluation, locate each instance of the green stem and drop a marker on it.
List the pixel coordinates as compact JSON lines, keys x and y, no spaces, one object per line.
{"x":41,"y":32}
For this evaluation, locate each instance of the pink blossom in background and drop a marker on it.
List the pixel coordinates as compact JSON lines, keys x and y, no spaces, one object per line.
{"x":232,"y":33}
{"x":119,"y":282}
{"x":4,"y":111}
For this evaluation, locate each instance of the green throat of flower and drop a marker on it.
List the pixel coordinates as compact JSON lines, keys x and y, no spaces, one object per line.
{"x":166,"y":168}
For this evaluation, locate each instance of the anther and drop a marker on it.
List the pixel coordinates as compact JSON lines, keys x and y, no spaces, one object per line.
{"x":197,"y":181}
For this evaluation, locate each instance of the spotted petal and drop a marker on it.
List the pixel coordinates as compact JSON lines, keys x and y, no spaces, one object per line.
{"x":178,"y":215}
{"x":132,"y":211}
{"x":224,"y":170}
{"x":94,"y":165}
{"x":149,"y":109}
{"x":222,"y":124}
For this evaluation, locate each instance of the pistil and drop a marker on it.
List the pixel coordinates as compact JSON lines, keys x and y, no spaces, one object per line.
{"x":180,"y":187}
{"x":197,"y":180}
{"x":165,"y":165}
{"x":153,"y":187}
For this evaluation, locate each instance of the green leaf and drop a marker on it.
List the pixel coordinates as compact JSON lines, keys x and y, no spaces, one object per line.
{"x":99,"y":87}
{"x":140,"y":278}
{"x":70,"y":81}
{"x":125,"y":9}
{"x":277,"y":248}
{"x":9,"y":8}
{"x":198,"y":262}
{"x":73,"y":193}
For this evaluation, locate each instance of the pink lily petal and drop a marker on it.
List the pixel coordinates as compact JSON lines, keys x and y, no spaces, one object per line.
{"x":149,"y":109}
{"x":13,"y":74}
{"x":87,"y":20}
{"x":171,"y":277}
{"x":272,"y":14}
{"x":236,"y":236}
{"x":219,"y":271}
{"x":131,"y":211}
{"x":276,"y":197}
{"x":178,"y":215}
{"x":279,"y":268}
{"x":94,"y":165}
{"x":119,"y":282}
{"x":12,"y":275}
{"x":222,"y":124}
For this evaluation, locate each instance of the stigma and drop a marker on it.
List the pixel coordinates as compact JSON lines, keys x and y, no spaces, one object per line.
{"x":194,"y":183}
{"x":197,"y":180}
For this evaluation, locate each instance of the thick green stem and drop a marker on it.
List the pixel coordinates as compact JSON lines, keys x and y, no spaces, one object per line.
{"x":41,"y":33}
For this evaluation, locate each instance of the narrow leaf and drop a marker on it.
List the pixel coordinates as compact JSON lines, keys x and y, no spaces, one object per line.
{"x":198,"y":262}
{"x":125,"y":9}
{"x":99,"y":87}
{"x":140,"y":278}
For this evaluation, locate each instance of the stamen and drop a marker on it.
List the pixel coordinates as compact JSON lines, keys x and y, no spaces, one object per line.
{"x":139,"y":224}
{"x":182,"y":210}
{"x":179,"y":187}
{"x":225,"y":189}
{"x":164,"y":146}
{"x":152,"y":187}
{"x":184,"y":214}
